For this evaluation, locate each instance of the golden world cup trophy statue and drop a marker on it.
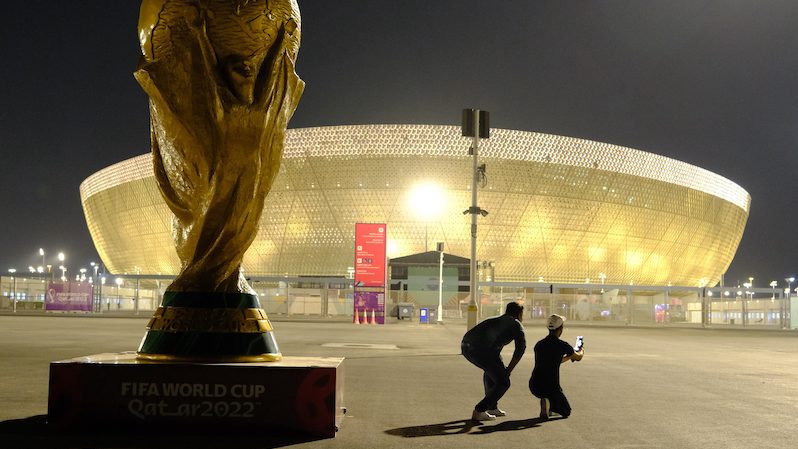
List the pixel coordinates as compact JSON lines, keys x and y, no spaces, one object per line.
{"x":220,"y":75}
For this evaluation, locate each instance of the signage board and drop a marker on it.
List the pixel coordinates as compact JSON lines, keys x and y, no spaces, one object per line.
{"x":69,"y":296}
{"x":370,"y":243}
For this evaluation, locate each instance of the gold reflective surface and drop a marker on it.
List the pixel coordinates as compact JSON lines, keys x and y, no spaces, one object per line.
{"x":215,"y":359}
{"x":560,"y":208}
{"x":185,"y":319}
{"x":222,"y":86}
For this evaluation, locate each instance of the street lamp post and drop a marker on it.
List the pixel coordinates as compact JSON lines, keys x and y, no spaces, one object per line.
{"x":95,"y":297}
{"x":61,"y":259}
{"x":40,"y":271}
{"x":102,"y":283}
{"x":773,"y":285}
{"x":785,"y":304}
{"x":475,"y":124}
{"x":748,"y":295}
{"x":119,"y":282}
{"x":440,"y":284}
{"x":14,"y":289}
{"x":603,"y":278}
{"x":41,"y":253}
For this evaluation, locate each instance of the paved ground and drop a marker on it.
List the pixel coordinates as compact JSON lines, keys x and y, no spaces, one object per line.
{"x":636,"y":388}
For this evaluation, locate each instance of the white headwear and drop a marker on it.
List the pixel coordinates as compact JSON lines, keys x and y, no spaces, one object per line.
{"x":555,"y":321}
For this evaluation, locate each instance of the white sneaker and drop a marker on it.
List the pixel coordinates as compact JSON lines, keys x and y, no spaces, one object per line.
{"x":545,"y":408}
{"x":497,"y":412}
{"x":482,"y":416}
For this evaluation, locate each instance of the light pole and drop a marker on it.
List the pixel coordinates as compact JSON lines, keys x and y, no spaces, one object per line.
{"x":61,"y":259}
{"x":475,"y":124}
{"x":440,"y":284}
{"x":96,"y":298}
{"x":749,"y":294}
{"x":102,"y":283}
{"x":40,"y":272}
{"x":119,"y":282}
{"x":785,"y":305}
{"x":41,"y":253}
{"x":602,"y":277}
{"x":14,"y":289}
{"x":773,"y":285}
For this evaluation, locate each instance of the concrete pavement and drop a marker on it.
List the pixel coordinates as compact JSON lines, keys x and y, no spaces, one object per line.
{"x":636,"y":388}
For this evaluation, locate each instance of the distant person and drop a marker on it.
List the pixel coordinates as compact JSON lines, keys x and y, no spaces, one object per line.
{"x":482,"y":346}
{"x":550,"y":353}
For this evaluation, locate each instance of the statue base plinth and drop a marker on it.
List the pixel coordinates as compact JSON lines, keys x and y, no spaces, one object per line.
{"x":119,"y":392}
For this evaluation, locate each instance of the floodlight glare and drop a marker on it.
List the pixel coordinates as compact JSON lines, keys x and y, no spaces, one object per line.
{"x":426,"y":200}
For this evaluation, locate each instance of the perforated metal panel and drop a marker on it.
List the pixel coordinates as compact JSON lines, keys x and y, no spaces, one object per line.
{"x":561,"y":208}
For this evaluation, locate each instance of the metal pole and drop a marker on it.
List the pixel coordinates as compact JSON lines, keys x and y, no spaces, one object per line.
{"x":14,"y":280}
{"x":136,"y":304}
{"x":472,"y":306}
{"x":440,"y":290}
{"x":100,"y":304}
{"x":785,"y":304}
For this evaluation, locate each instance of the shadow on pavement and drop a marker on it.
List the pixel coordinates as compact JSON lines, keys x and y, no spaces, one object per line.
{"x":504,"y":426}
{"x":32,"y":432}
{"x":465,"y":426}
{"x":447,"y":428}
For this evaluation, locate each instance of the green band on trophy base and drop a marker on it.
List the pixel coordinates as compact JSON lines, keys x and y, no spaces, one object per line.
{"x":221,"y":327}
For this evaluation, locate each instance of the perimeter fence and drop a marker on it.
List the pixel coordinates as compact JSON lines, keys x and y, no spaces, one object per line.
{"x":765,"y":308}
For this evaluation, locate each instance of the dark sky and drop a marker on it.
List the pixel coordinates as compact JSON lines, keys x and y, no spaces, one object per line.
{"x":711,"y":83}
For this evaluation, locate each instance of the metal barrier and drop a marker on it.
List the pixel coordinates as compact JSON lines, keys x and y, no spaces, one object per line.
{"x":582,"y":303}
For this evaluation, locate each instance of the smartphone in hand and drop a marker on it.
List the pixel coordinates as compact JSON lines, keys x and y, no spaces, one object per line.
{"x":580,"y":341}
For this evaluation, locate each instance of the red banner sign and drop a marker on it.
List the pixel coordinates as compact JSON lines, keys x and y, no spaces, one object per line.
{"x":370,"y":241}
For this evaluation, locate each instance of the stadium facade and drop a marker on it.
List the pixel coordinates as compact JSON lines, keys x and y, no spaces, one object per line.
{"x":561,"y":209}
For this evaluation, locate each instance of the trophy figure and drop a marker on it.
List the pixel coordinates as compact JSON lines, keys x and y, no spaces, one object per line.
{"x":220,"y":76}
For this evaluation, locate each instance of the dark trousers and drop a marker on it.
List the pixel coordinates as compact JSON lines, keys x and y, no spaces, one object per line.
{"x":495,"y":378}
{"x":557,"y":400}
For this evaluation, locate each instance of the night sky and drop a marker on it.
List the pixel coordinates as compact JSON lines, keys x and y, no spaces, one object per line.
{"x":711,"y":83}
